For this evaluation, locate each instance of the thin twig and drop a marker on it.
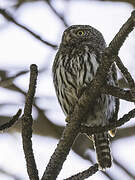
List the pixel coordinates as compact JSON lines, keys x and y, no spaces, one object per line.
{"x":125,"y":72}
{"x":107,"y":175}
{"x":125,"y":132}
{"x":27,"y":122}
{"x":85,"y":174}
{"x":124,"y":169}
{"x":9,"y":81}
{"x":12,"y":121}
{"x":127,"y":75}
{"x":131,"y":2}
{"x":10,"y":18}
{"x":85,"y":102}
{"x":117,"y":92}
{"x":9,"y":174}
{"x":61,"y":17}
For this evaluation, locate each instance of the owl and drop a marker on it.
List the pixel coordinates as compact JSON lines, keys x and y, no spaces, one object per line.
{"x":75,"y":65}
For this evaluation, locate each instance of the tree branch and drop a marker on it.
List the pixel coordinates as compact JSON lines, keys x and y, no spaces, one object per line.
{"x":57,"y":14}
{"x":124,"y":169}
{"x":85,"y":174}
{"x":117,"y":92}
{"x":27,"y":122}
{"x":10,"y":175}
{"x":125,"y":72}
{"x":10,"y":18}
{"x":12,"y":121}
{"x":8,"y":81}
{"x":125,"y":133}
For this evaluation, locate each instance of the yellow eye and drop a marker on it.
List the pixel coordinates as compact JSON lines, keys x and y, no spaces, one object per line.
{"x":80,"y":33}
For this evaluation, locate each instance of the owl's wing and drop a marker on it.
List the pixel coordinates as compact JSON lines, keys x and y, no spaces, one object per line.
{"x":114,"y":82}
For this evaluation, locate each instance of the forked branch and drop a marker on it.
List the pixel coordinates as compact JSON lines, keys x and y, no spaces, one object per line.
{"x":27,"y":122}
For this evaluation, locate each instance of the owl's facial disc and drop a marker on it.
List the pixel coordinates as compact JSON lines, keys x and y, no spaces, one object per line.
{"x":74,"y":35}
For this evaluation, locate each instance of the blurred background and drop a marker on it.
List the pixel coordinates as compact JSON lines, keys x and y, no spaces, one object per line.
{"x":32,"y":36}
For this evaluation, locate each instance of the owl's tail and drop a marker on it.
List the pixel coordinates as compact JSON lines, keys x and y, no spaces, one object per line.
{"x":101,"y":144}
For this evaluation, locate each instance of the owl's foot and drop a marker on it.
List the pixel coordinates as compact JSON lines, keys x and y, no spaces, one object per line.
{"x":67,"y":119}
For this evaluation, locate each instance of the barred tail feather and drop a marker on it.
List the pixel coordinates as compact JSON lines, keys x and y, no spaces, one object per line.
{"x":101,"y":144}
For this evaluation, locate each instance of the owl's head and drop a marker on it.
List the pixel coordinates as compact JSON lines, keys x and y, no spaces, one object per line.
{"x":81,"y":35}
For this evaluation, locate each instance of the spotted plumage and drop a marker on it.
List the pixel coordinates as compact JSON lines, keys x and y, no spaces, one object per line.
{"x":74,"y":67}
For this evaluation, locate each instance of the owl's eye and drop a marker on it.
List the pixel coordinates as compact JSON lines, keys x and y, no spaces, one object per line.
{"x":80,"y":33}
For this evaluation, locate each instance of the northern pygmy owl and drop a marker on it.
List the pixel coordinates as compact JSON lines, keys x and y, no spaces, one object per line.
{"x":74,"y":67}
